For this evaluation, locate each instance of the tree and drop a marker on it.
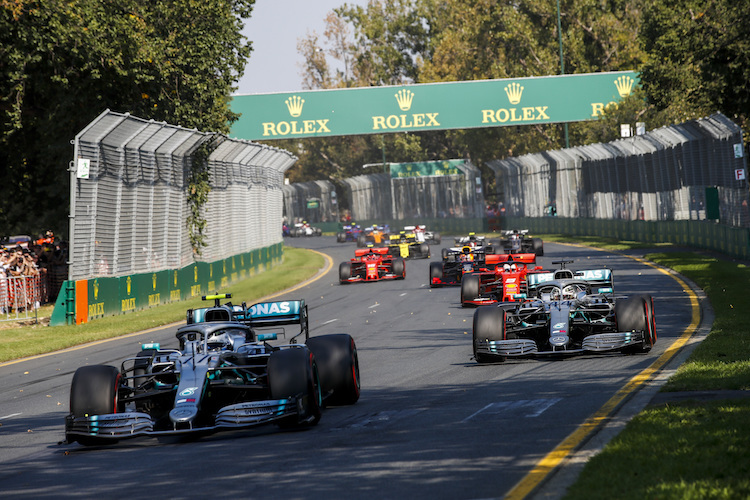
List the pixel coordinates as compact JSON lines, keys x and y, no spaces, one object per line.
{"x":63,"y":63}
{"x":698,"y":58}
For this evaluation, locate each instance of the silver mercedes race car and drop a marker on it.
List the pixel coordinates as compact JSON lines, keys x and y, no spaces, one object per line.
{"x":563,"y":313}
{"x":225,"y":374}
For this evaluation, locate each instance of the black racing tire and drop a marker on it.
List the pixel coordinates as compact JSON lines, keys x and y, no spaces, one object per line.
{"x":94,"y":391}
{"x":489,"y":324}
{"x":338,"y":367}
{"x":436,"y":238}
{"x":436,"y":271}
{"x":293,"y":372}
{"x":345,"y":272}
{"x":537,"y":246}
{"x":361,"y":241}
{"x":318,"y":232}
{"x":469,"y":288}
{"x":632,"y":314}
{"x":424,"y":250}
{"x":444,"y":253}
{"x":340,"y":237}
{"x":399,"y":268}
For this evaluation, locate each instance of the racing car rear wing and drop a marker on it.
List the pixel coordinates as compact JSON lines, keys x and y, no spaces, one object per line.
{"x":510,"y":258}
{"x":361,"y":252}
{"x":600,"y":279}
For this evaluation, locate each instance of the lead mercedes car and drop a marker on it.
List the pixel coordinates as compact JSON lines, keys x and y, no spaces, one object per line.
{"x":565,"y":312}
{"x":226,"y":374}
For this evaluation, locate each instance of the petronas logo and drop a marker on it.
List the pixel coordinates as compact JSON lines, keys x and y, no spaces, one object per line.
{"x":294,"y":105}
{"x":624,"y":85}
{"x":514,"y":91}
{"x":404,"y":98}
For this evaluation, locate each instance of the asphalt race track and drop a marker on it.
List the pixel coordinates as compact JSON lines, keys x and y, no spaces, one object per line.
{"x":430,"y":423}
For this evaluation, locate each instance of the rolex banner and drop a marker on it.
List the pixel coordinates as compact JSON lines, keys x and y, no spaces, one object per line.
{"x":425,"y":168}
{"x":430,"y":106}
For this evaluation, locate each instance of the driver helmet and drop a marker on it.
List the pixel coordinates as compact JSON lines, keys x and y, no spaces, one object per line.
{"x":506,"y":267}
{"x":466,"y":249}
{"x":513,"y":267}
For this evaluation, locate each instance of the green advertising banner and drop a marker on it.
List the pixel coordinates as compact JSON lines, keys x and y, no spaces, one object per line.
{"x":425,"y":168}
{"x":429,"y":106}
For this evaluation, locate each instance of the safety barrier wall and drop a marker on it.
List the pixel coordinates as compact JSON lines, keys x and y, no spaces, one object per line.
{"x":692,"y":171}
{"x":731,"y":241}
{"x":313,"y":202}
{"x":82,"y":300}
{"x":20,"y":297}
{"x":129,"y":209}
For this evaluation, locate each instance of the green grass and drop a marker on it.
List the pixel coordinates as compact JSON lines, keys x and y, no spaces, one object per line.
{"x":694,"y":449}
{"x":29,"y":340}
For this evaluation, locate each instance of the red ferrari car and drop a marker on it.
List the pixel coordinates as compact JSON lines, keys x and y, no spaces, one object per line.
{"x":372,"y":264}
{"x":503,"y":280}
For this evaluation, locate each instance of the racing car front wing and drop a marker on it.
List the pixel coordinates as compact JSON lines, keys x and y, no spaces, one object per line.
{"x":600,"y":342}
{"x":133,"y":424}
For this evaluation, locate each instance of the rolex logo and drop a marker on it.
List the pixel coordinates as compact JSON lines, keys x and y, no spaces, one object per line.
{"x":294,"y":105}
{"x":514,"y":91}
{"x":624,"y":85}
{"x":404,"y":98}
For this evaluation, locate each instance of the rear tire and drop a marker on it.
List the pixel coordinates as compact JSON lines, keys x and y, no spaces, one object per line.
{"x":424,"y":250}
{"x":338,"y":367}
{"x":436,"y":271}
{"x":444,"y":253}
{"x":489,"y":324}
{"x":345,"y":272}
{"x":94,"y":391}
{"x":294,"y":373}
{"x":436,"y":238}
{"x":361,"y":241}
{"x":340,"y":237}
{"x":469,"y":288}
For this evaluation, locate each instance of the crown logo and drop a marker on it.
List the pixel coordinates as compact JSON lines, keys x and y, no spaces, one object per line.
{"x":514,"y":91}
{"x":294,"y":105}
{"x":175,"y":278}
{"x":96,"y":289}
{"x":404,"y":98}
{"x":195,"y":274}
{"x":624,"y":85}
{"x":153,"y":281}
{"x":129,"y":282}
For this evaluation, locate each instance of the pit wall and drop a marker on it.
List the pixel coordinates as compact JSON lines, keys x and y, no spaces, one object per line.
{"x":83,"y":300}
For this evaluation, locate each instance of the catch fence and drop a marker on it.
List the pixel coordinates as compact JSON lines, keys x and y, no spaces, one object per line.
{"x":692,"y":171}
{"x":129,"y":191}
{"x":314,"y":201}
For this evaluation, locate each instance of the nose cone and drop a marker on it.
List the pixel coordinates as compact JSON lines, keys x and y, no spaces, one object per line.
{"x":183,"y":414}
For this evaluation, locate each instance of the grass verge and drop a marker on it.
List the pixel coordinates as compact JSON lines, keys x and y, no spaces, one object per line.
{"x":694,"y":449}
{"x":29,"y":340}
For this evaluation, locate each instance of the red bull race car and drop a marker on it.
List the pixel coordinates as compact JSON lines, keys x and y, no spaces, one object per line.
{"x":372,"y":264}
{"x":503,"y":279}
{"x":456,"y":263}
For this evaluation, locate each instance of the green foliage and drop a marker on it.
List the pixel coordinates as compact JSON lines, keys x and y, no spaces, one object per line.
{"x":63,"y":63}
{"x":199,"y":187}
{"x":698,"y":58}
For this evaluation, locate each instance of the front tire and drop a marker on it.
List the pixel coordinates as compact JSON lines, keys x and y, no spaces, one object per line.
{"x":489,"y":325}
{"x":469,"y":288}
{"x":537,"y":246}
{"x":345,"y":272}
{"x":399,"y":268}
{"x":292,"y":373}
{"x":636,"y":314}
{"x":338,"y":367}
{"x":94,"y":391}
{"x":436,"y":271}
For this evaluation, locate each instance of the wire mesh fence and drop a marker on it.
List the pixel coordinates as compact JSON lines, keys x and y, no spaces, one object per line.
{"x":692,"y":171}
{"x":129,"y":187}
{"x":314,"y":201}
